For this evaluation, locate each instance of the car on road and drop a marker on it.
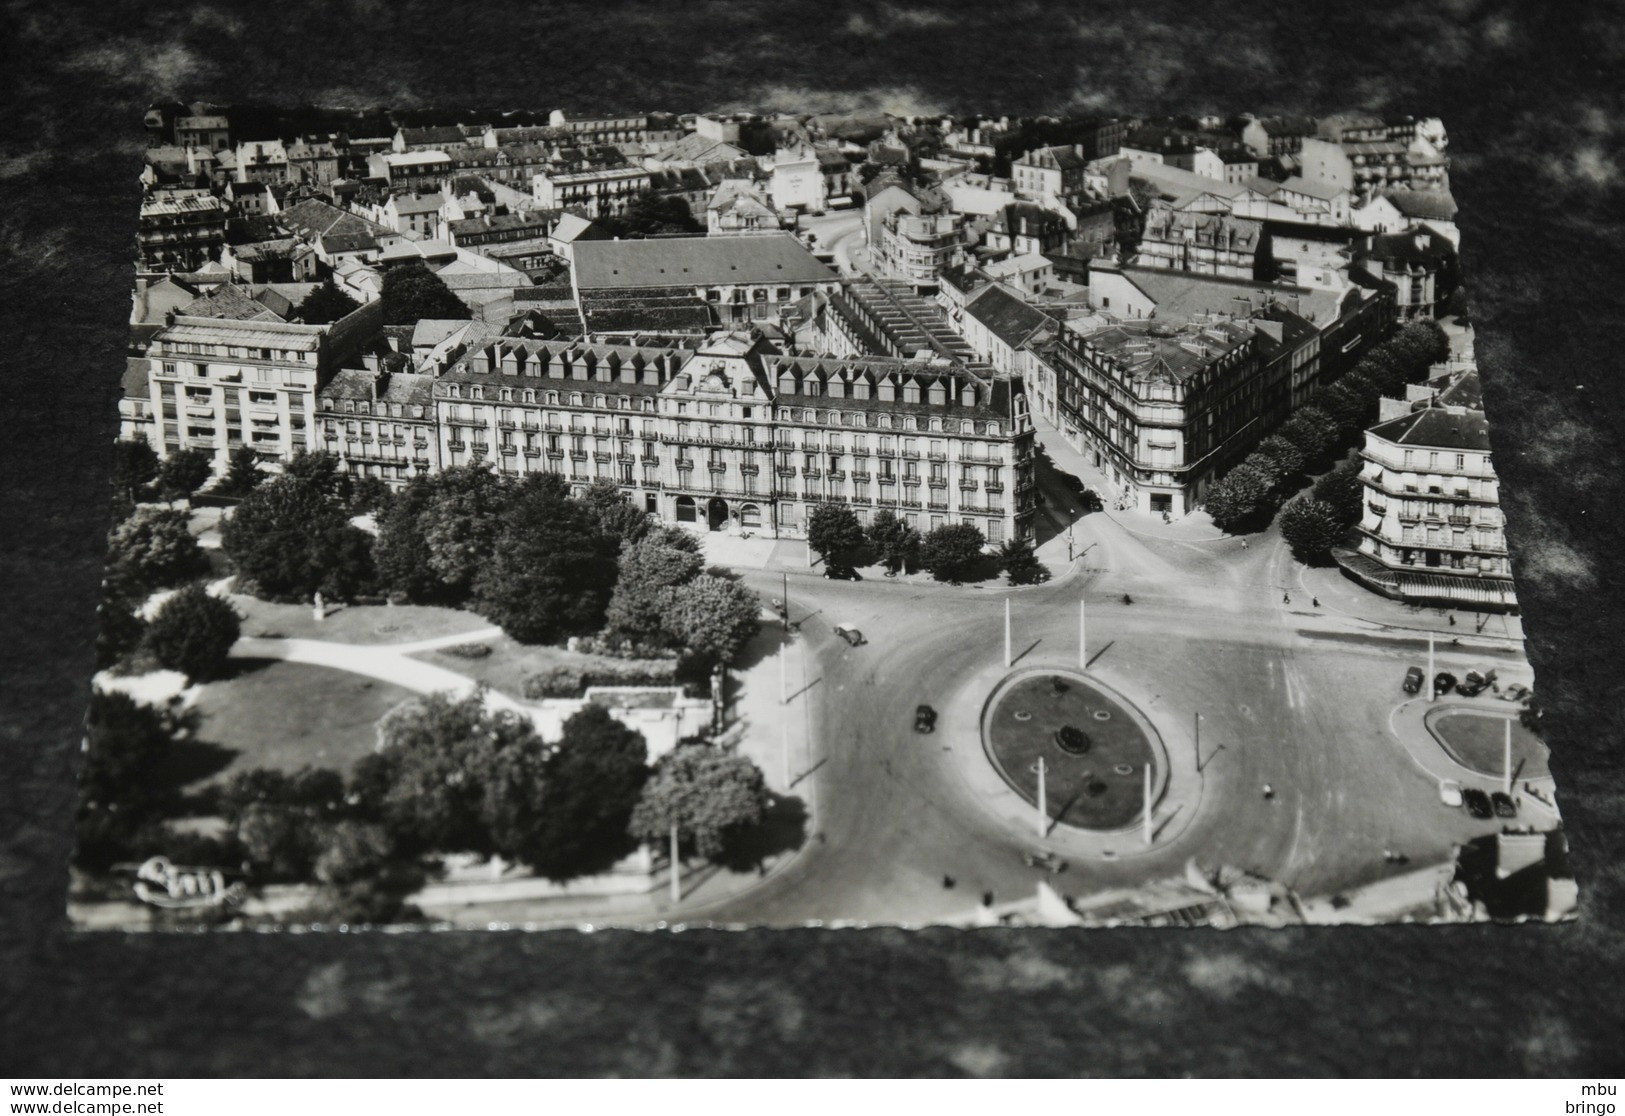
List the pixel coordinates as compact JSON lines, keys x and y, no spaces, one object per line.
{"x":850,"y":634}
{"x":1474,"y":683}
{"x":1413,"y":680}
{"x":1478,"y":803}
{"x":1450,"y":792}
{"x":1503,"y":805}
{"x":839,"y":571}
{"x":925,"y":719}
{"x":1443,"y":682}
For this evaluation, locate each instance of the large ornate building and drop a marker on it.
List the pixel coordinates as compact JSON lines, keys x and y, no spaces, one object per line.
{"x":736,"y":436}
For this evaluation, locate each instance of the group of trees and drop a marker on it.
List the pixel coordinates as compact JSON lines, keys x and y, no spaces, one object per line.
{"x":545,"y":564}
{"x":291,"y":535}
{"x":650,"y":214}
{"x":1249,"y":495}
{"x":952,"y":552}
{"x":452,"y":775}
{"x":411,"y":291}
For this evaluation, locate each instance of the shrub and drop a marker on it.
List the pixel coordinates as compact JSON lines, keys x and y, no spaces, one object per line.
{"x":556,"y":682}
{"x":192,"y":632}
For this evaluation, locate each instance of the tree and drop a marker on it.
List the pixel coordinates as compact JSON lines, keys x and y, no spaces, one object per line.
{"x":291,"y":536}
{"x":951,"y":551}
{"x":1312,"y":430}
{"x":1311,"y":527}
{"x":325,"y":304}
{"x":614,"y":512}
{"x":647,"y":569}
{"x":242,"y":472}
{"x":1241,"y":499}
{"x":401,"y":554}
{"x":702,"y":791}
{"x":1020,"y":564}
{"x":463,"y":518}
{"x":1343,"y":492}
{"x":122,"y":785}
{"x":1346,"y":407}
{"x":411,"y":291}
{"x":833,"y":531}
{"x":135,"y":466}
{"x":453,"y":776}
{"x":184,"y":472}
{"x":192,"y":632}
{"x":712,"y":618}
{"x":152,"y":549}
{"x":893,"y":540}
{"x":594,"y":779}
{"x":650,"y":214}
{"x":121,"y":629}
{"x":552,"y":569}
{"x":1278,"y":459}
{"x":1423,"y":342}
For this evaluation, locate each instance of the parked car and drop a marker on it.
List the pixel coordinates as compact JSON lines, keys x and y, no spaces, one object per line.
{"x":1443,"y":682}
{"x":850,"y":634}
{"x":837,"y":571}
{"x":1450,"y":792}
{"x":1473,"y":684}
{"x":1516,"y":692}
{"x":1478,"y":803}
{"x":1503,"y":805}
{"x":925,"y":719}
{"x":1413,"y":680}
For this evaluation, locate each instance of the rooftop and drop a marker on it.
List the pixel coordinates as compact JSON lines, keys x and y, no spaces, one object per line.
{"x":1005,"y":316}
{"x":1159,"y":351}
{"x":1437,"y":427}
{"x":696,"y":261}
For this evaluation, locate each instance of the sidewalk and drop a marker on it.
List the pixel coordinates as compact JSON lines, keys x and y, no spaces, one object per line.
{"x":1196,"y":527}
{"x":1339,"y":595}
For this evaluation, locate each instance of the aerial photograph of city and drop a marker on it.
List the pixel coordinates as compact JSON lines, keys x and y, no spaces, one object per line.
{"x":542,"y":519}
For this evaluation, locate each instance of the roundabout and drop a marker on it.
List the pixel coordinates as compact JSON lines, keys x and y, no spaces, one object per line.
{"x":1095,"y":748}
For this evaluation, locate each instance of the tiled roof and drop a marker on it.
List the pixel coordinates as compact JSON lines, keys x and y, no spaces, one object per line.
{"x":1006,"y":316}
{"x":313,"y":218}
{"x":1437,"y":427}
{"x":696,"y":261}
{"x":1423,"y":205}
{"x":233,"y":302}
{"x":435,"y":135}
{"x":417,"y":203}
{"x":269,"y":333}
{"x":399,"y":387}
{"x":1320,"y":190}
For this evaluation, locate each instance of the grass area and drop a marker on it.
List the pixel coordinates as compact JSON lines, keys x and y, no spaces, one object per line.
{"x":355,"y":623}
{"x":509,"y":663}
{"x":1477,"y":741}
{"x":286,"y":715}
{"x":1085,"y":790}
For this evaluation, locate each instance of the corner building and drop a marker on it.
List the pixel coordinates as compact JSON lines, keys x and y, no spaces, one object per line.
{"x":735,"y":436}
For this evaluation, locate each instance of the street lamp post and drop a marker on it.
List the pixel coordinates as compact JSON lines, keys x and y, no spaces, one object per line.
{"x":1506,"y":760}
{"x":1069,"y":542}
{"x":1043,"y":813}
{"x":1197,"y":730}
{"x":1083,"y":638}
{"x":1433,"y":691}
{"x":1007,"y":633}
{"x":1147,"y":804}
{"x":784,"y":614}
{"x":676,"y":868}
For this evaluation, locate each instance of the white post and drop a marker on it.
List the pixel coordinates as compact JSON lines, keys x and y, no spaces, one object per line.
{"x":784,"y":726}
{"x":1148,"y":803}
{"x":1432,"y":691}
{"x":1198,"y":733}
{"x":676,"y":868}
{"x":1506,"y":760}
{"x":1083,"y":639}
{"x":784,"y":685}
{"x":1007,"y":633}
{"x":1043,"y":812}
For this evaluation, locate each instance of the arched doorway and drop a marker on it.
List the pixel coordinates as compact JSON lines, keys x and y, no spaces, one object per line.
{"x":686,"y":511}
{"x":750,"y":517}
{"x":717,"y":513}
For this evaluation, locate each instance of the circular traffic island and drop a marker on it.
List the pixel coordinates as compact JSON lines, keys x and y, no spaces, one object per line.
{"x":1094,"y":776}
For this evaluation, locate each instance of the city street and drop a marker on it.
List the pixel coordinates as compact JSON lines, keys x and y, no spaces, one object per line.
{"x":1290,"y":695}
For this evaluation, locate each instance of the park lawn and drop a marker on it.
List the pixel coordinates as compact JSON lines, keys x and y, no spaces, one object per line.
{"x":287,"y":715}
{"x":1477,"y":740}
{"x":359,"y":624}
{"x":1017,"y":745}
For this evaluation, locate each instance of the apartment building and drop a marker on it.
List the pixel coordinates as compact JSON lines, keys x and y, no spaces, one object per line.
{"x":735,"y":436}
{"x":380,"y":420}
{"x":919,"y":247}
{"x":1162,"y":408}
{"x":180,"y":230}
{"x":1433,"y":531}
{"x":217,"y":383}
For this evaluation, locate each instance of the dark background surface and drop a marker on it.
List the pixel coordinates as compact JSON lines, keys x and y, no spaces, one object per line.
{"x":1531,"y":96}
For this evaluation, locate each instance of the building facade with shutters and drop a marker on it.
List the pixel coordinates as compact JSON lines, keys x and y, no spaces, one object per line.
{"x":1432,"y":529}
{"x":735,"y":436}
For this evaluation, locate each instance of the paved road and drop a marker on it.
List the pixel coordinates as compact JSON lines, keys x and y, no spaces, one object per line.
{"x":1288,"y":695}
